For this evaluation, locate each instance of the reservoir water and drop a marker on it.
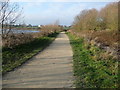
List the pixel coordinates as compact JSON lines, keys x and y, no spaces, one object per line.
{"x":23,"y":31}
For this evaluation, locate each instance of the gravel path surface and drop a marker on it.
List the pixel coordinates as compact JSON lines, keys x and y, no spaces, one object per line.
{"x":51,"y":68}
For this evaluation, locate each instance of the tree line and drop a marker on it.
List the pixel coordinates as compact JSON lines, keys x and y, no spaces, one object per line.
{"x":93,"y":19}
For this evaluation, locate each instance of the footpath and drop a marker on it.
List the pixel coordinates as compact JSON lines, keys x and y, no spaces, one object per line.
{"x":51,"y":68}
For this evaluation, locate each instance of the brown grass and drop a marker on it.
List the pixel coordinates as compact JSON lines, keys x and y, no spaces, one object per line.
{"x":12,"y":40}
{"x":105,"y":37}
{"x":16,"y":39}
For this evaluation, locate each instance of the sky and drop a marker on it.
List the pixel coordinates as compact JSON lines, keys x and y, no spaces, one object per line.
{"x":43,"y":13}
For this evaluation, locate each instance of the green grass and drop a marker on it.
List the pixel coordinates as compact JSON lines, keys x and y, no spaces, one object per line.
{"x":12,"y":58}
{"x":90,"y":72}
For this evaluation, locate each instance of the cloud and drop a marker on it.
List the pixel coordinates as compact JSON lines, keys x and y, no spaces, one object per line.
{"x":46,"y":13}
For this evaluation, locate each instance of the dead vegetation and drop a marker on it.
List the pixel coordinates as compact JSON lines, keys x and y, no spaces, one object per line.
{"x":99,"y":28}
{"x":12,"y":40}
{"x":106,"y":40}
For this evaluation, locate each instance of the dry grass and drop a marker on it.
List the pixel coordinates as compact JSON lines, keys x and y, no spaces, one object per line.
{"x":109,"y":38}
{"x":16,"y":39}
{"x":12,"y":40}
{"x":106,"y":37}
{"x":106,"y":40}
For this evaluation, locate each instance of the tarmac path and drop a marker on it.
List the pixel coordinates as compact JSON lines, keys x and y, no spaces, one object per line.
{"x":51,"y":68}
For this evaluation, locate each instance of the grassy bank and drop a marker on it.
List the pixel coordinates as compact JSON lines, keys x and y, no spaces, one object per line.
{"x":90,"y":68}
{"x":12,"y":58}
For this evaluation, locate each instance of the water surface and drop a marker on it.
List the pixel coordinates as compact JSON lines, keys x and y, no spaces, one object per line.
{"x":22,"y":31}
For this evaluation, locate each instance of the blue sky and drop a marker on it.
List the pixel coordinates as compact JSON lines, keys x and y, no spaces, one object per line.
{"x":42,"y":13}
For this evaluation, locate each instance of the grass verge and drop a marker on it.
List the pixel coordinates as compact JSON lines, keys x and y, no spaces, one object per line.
{"x":91,"y":72}
{"x":12,"y":58}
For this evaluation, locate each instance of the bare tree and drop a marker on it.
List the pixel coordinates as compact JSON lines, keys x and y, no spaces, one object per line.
{"x":109,"y":16}
{"x":9,"y":14}
{"x":106,"y":18}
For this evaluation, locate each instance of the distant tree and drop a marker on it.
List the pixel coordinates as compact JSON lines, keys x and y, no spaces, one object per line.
{"x":29,"y":25}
